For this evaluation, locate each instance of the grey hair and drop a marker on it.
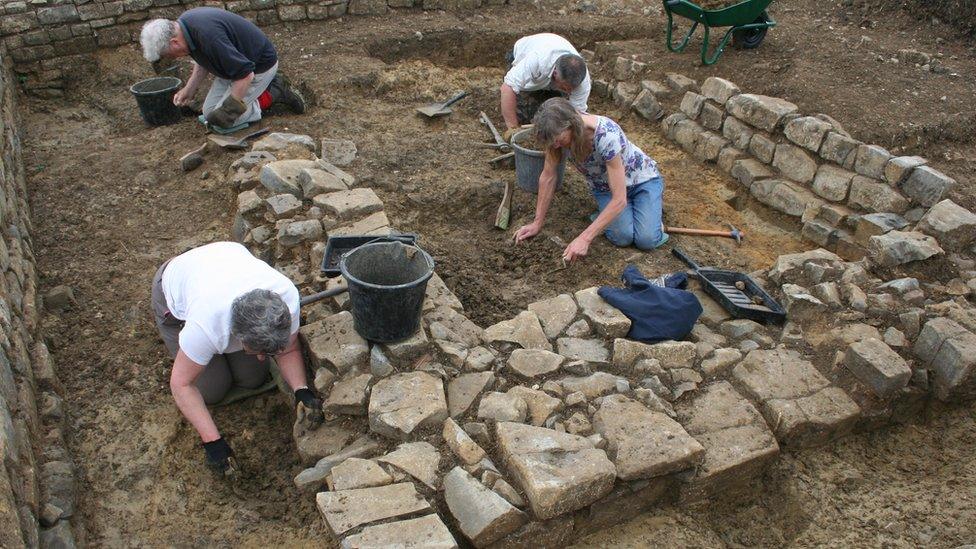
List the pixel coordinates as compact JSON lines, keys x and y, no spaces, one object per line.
{"x":571,"y":69}
{"x":261,"y":320}
{"x":155,"y":37}
{"x":556,"y":115}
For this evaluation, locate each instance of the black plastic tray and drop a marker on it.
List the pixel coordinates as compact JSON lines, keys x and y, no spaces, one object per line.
{"x":720,"y":285}
{"x":338,"y":245}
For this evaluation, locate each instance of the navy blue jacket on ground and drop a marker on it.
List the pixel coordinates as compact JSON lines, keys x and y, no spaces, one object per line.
{"x":656,"y":313}
{"x":226,"y":44}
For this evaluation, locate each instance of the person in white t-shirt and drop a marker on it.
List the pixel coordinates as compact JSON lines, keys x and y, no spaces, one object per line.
{"x":222,"y":313}
{"x":543,"y":66}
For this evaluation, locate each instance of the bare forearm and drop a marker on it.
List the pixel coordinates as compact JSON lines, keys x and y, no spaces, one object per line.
{"x":508,"y":106}
{"x":292,"y":369}
{"x":239,"y":87}
{"x":197,"y":76}
{"x":547,"y":190}
{"x":606,"y":217}
{"x":190,"y":402}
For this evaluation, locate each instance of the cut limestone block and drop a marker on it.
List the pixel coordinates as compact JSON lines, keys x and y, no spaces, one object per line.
{"x":646,"y":105}
{"x":333,"y":342}
{"x":877,"y":223}
{"x":482,"y":515}
{"x":926,"y":186}
{"x":832,"y":182}
{"x":719,"y":89}
{"x":428,"y":532}
{"x":871,"y":195}
{"x":558,"y":472}
{"x":315,"y":181}
{"x":349,"y":205}
{"x":878,"y":367}
{"x":749,"y":170}
{"x":523,"y":330}
{"x":403,"y":403}
{"x":795,"y":163}
{"x":951,"y":224}
{"x":644,"y":444}
{"x":348,"y":509}
{"x":463,"y":390}
{"x":671,"y":354}
{"x":281,"y":176}
{"x":796,"y":400}
{"x":871,"y":161}
{"x":786,"y":196}
{"x":591,"y":351}
{"x":691,"y":104}
{"x":680,"y":83}
{"x":533,"y":363}
{"x":807,"y":131}
{"x":417,"y":459}
{"x":840,"y":149}
{"x":949,"y":350}
{"x":760,"y":111}
{"x":899,"y":168}
{"x":900,"y":247}
{"x":555,"y":314}
{"x":738,"y":443}
{"x":608,"y":321}
{"x":712,"y":116}
{"x":762,"y":146}
{"x":737,"y":132}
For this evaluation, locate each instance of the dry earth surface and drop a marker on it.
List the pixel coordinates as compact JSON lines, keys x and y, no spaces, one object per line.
{"x":110,"y":204}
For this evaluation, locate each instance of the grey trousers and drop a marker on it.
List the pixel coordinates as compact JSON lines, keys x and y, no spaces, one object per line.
{"x":224,"y":370}
{"x":220,"y":89}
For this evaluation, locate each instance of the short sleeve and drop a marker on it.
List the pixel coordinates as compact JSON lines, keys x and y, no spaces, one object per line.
{"x":293,"y":301}
{"x":195,"y":344}
{"x":610,"y":140}
{"x":581,"y":95}
{"x":525,"y":75}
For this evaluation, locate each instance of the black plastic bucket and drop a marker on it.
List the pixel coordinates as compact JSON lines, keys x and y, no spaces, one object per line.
{"x":387,"y":282}
{"x":155,"y":99}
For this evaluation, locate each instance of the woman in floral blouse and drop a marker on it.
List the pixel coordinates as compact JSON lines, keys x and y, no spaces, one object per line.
{"x":624,"y":181}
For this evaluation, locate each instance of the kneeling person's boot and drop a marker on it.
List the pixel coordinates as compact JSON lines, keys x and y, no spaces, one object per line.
{"x":286,"y":95}
{"x":227,"y":113}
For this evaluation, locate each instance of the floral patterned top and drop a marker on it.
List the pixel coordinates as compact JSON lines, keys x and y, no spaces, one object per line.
{"x":609,"y":141}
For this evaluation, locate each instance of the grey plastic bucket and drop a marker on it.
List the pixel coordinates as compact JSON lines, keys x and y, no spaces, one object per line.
{"x":387,"y":283}
{"x":155,"y":99}
{"x":529,"y":164}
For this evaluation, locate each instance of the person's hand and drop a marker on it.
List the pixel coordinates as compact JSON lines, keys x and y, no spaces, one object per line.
{"x":526,"y":232}
{"x":507,"y":135}
{"x":220,"y":458}
{"x":227,"y":113}
{"x":577,"y":248}
{"x":309,"y":408}
{"x":182,"y":97}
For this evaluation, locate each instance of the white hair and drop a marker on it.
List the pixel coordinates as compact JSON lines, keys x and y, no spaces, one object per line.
{"x":155,"y":38}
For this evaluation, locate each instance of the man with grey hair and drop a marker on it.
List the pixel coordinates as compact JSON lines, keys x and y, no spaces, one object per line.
{"x":221,"y":312}
{"x":542,"y":66}
{"x":242,"y":60}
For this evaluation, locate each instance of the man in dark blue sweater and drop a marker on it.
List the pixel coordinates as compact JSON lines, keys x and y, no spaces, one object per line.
{"x":242,"y":60}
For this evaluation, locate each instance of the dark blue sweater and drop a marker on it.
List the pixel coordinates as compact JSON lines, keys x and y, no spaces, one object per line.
{"x":226,"y":44}
{"x":656,"y":313}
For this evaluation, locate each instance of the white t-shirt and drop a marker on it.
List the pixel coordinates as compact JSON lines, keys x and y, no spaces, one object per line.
{"x":535,"y":59}
{"x":200,"y":286}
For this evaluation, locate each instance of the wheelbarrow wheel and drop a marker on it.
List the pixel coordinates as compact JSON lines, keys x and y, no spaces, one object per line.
{"x":751,"y":38}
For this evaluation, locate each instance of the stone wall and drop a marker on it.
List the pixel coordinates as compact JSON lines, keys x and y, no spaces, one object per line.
{"x":47,"y":37}
{"x":36,"y":474}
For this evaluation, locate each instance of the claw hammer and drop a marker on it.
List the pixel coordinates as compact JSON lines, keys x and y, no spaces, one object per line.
{"x":733,"y":233}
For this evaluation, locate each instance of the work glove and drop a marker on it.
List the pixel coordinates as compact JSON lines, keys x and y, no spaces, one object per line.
{"x":507,"y":136}
{"x":227,"y":113}
{"x":220,"y":458}
{"x":309,"y":407}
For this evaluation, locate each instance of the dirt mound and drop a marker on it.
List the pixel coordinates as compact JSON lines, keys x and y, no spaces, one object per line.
{"x":958,"y":13}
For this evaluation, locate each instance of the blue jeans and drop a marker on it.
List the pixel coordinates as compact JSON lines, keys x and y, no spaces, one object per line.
{"x":640,"y":221}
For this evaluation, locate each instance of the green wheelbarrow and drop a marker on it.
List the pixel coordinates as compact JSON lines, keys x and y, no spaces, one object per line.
{"x":747,"y":22}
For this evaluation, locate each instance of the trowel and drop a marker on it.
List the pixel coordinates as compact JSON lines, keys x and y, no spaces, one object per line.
{"x":435,"y":110}
{"x":236,"y":142}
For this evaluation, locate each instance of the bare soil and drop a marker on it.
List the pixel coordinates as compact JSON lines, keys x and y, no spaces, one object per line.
{"x":110,"y":204}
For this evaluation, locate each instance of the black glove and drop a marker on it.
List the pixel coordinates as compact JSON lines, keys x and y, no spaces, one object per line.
{"x":220,"y":458}
{"x":227,"y":113}
{"x":312,"y":404}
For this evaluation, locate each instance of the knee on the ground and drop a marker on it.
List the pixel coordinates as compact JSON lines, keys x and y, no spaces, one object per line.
{"x":618,"y":238}
{"x":648,"y":240}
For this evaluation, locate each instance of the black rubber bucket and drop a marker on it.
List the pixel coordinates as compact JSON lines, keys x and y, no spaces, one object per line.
{"x":155,"y":99}
{"x":387,"y":282}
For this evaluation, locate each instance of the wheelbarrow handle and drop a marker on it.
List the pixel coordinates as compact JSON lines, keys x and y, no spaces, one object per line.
{"x":672,"y":3}
{"x":309,"y":299}
{"x":455,"y":99}
{"x":681,"y":255}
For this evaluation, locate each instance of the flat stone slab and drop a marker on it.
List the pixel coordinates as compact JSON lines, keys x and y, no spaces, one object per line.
{"x":347,"y":509}
{"x":607,"y":320}
{"x":403,"y":403}
{"x":738,"y":443}
{"x":281,"y":176}
{"x":523,"y":330}
{"x":899,"y":247}
{"x":502,"y":407}
{"x":795,"y":399}
{"x":671,"y":354}
{"x":333,"y":342}
{"x":533,"y":363}
{"x":463,"y":390}
{"x":644,"y":444}
{"x":463,"y":446}
{"x":592,"y":386}
{"x":558,"y":472}
{"x":555,"y":314}
{"x":760,"y":111}
{"x":588,"y":350}
{"x":358,"y":473}
{"x":351,"y":204}
{"x":427,"y":532}
{"x":482,"y":515}
{"x":316,"y":181}
{"x":348,"y":396}
{"x":540,"y":405}
{"x":326,"y":439}
{"x":417,"y":459}
{"x":376,"y":224}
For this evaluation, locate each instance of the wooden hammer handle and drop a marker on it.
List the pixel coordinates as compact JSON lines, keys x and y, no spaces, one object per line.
{"x":699,"y":232}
